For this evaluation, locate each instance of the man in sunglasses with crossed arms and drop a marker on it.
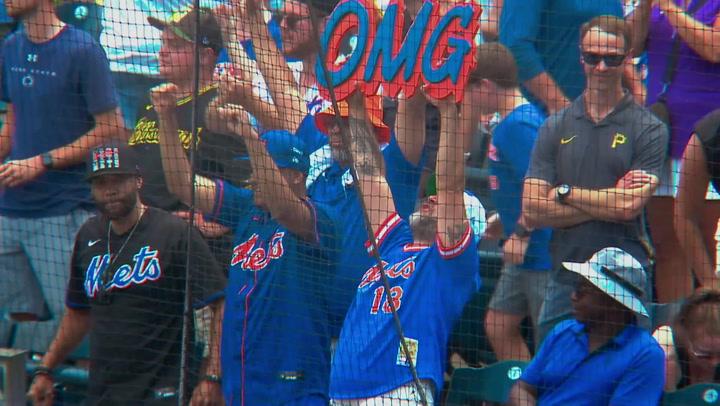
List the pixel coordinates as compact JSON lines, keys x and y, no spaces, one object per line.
{"x":594,"y":167}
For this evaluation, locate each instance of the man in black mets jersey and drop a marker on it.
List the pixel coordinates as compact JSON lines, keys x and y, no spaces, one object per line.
{"x":127,"y":291}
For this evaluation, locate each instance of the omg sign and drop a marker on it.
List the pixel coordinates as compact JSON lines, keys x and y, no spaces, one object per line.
{"x":437,"y":50}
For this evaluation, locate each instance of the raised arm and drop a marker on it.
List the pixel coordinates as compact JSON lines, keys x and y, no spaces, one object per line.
{"x":450,"y":169}
{"x":688,"y":212}
{"x":278,"y":76}
{"x":701,"y":38}
{"x":282,"y":202}
{"x":232,"y":33}
{"x":640,"y":22}
{"x":410,"y":127}
{"x":176,"y":166}
{"x":369,"y":164}
{"x":234,"y":90}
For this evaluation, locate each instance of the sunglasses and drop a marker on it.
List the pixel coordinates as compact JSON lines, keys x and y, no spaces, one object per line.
{"x":700,"y":354}
{"x":612,"y":61}
{"x":291,"y":20}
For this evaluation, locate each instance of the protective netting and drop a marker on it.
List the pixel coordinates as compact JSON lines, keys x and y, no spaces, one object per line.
{"x":359,"y":202}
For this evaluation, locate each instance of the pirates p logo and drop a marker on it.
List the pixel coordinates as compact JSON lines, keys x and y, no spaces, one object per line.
{"x":618,"y":139}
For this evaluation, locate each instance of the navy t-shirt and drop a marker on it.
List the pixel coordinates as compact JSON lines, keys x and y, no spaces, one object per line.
{"x":275,"y":340}
{"x":509,"y":157}
{"x":55,"y":88}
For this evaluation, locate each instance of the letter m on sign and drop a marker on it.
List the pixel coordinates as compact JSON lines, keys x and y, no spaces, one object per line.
{"x":396,"y":52}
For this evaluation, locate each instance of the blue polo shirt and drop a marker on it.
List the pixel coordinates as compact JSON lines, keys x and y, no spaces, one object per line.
{"x":275,"y":342}
{"x":509,"y":158}
{"x":628,"y":370}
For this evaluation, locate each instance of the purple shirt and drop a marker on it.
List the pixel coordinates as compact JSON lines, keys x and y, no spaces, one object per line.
{"x":695,"y":89}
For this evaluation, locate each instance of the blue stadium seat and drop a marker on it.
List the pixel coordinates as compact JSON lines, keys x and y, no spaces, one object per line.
{"x":701,"y":394}
{"x":491,"y":383}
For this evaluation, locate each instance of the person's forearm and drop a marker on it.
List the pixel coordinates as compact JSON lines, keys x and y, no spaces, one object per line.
{"x":544,"y":87}
{"x":702,"y":39}
{"x":176,"y":167}
{"x":639,"y":22}
{"x":633,"y":81}
{"x":450,"y":165}
{"x":284,"y":205}
{"x":548,"y":213}
{"x":6,"y":133}
{"x":267,"y":114}
{"x":212,"y":363}
{"x":108,"y":126}
{"x":278,"y":76}
{"x":410,"y":127}
{"x":693,"y":244}
{"x":369,"y":165}
{"x":74,"y":325}
{"x":490,"y":28}
{"x":612,"y":204}
{"x":519,"y":396}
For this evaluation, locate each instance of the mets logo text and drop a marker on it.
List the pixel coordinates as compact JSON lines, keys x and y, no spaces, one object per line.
{"x":146,"y":267}
{"x":251,"y":258}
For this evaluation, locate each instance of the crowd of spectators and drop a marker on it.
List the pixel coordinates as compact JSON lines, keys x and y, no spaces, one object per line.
{"x":349,"y":241}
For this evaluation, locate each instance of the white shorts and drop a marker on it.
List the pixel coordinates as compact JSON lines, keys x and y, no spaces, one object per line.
{"x":406,"y":395}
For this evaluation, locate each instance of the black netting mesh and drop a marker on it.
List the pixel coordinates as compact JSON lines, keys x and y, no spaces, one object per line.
{"x":358,"y":202}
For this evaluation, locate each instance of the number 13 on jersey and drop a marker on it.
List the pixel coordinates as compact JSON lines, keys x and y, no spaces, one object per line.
{"x":396,"y":294}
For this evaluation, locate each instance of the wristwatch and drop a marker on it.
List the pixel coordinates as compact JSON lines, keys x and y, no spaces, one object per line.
{"x":521,"y":231}
{"x":562,"y":192}
{"x":212,"y":378}
{"x":47,"y":160}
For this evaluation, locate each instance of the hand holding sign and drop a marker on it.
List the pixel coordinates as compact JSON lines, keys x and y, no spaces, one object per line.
{"x":437,"y":50}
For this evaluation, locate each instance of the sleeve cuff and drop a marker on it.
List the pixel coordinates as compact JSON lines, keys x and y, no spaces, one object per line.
{"x":458,"y":248}
{"x":199,"y":304}
{"x":76,"y":306}
{"x":219,"y":194}
{"x":383,"y":231}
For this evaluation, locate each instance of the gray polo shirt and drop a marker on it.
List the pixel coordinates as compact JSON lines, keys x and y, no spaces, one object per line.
{"x":572,"y":149}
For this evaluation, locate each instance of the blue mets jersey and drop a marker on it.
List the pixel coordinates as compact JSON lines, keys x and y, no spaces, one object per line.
{"x":275,"y":341}
{"x":429,"y":286}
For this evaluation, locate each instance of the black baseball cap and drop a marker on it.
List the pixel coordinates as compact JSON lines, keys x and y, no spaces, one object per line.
{"x":112,"y":159}
{"x":326,"y":6}
{"x":182,"y":25}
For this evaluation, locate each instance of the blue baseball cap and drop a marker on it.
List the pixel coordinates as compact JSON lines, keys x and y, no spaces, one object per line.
{"x":616,"y":273}
{"x":287,"y":150}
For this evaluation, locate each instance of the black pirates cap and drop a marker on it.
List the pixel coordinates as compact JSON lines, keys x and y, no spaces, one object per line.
{"x":116,"y":159}
{"x":183,"y":24}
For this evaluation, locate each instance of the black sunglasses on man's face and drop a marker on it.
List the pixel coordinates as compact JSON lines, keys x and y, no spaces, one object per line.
{"x":291,"y":20}
{"x":612,"y":61}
